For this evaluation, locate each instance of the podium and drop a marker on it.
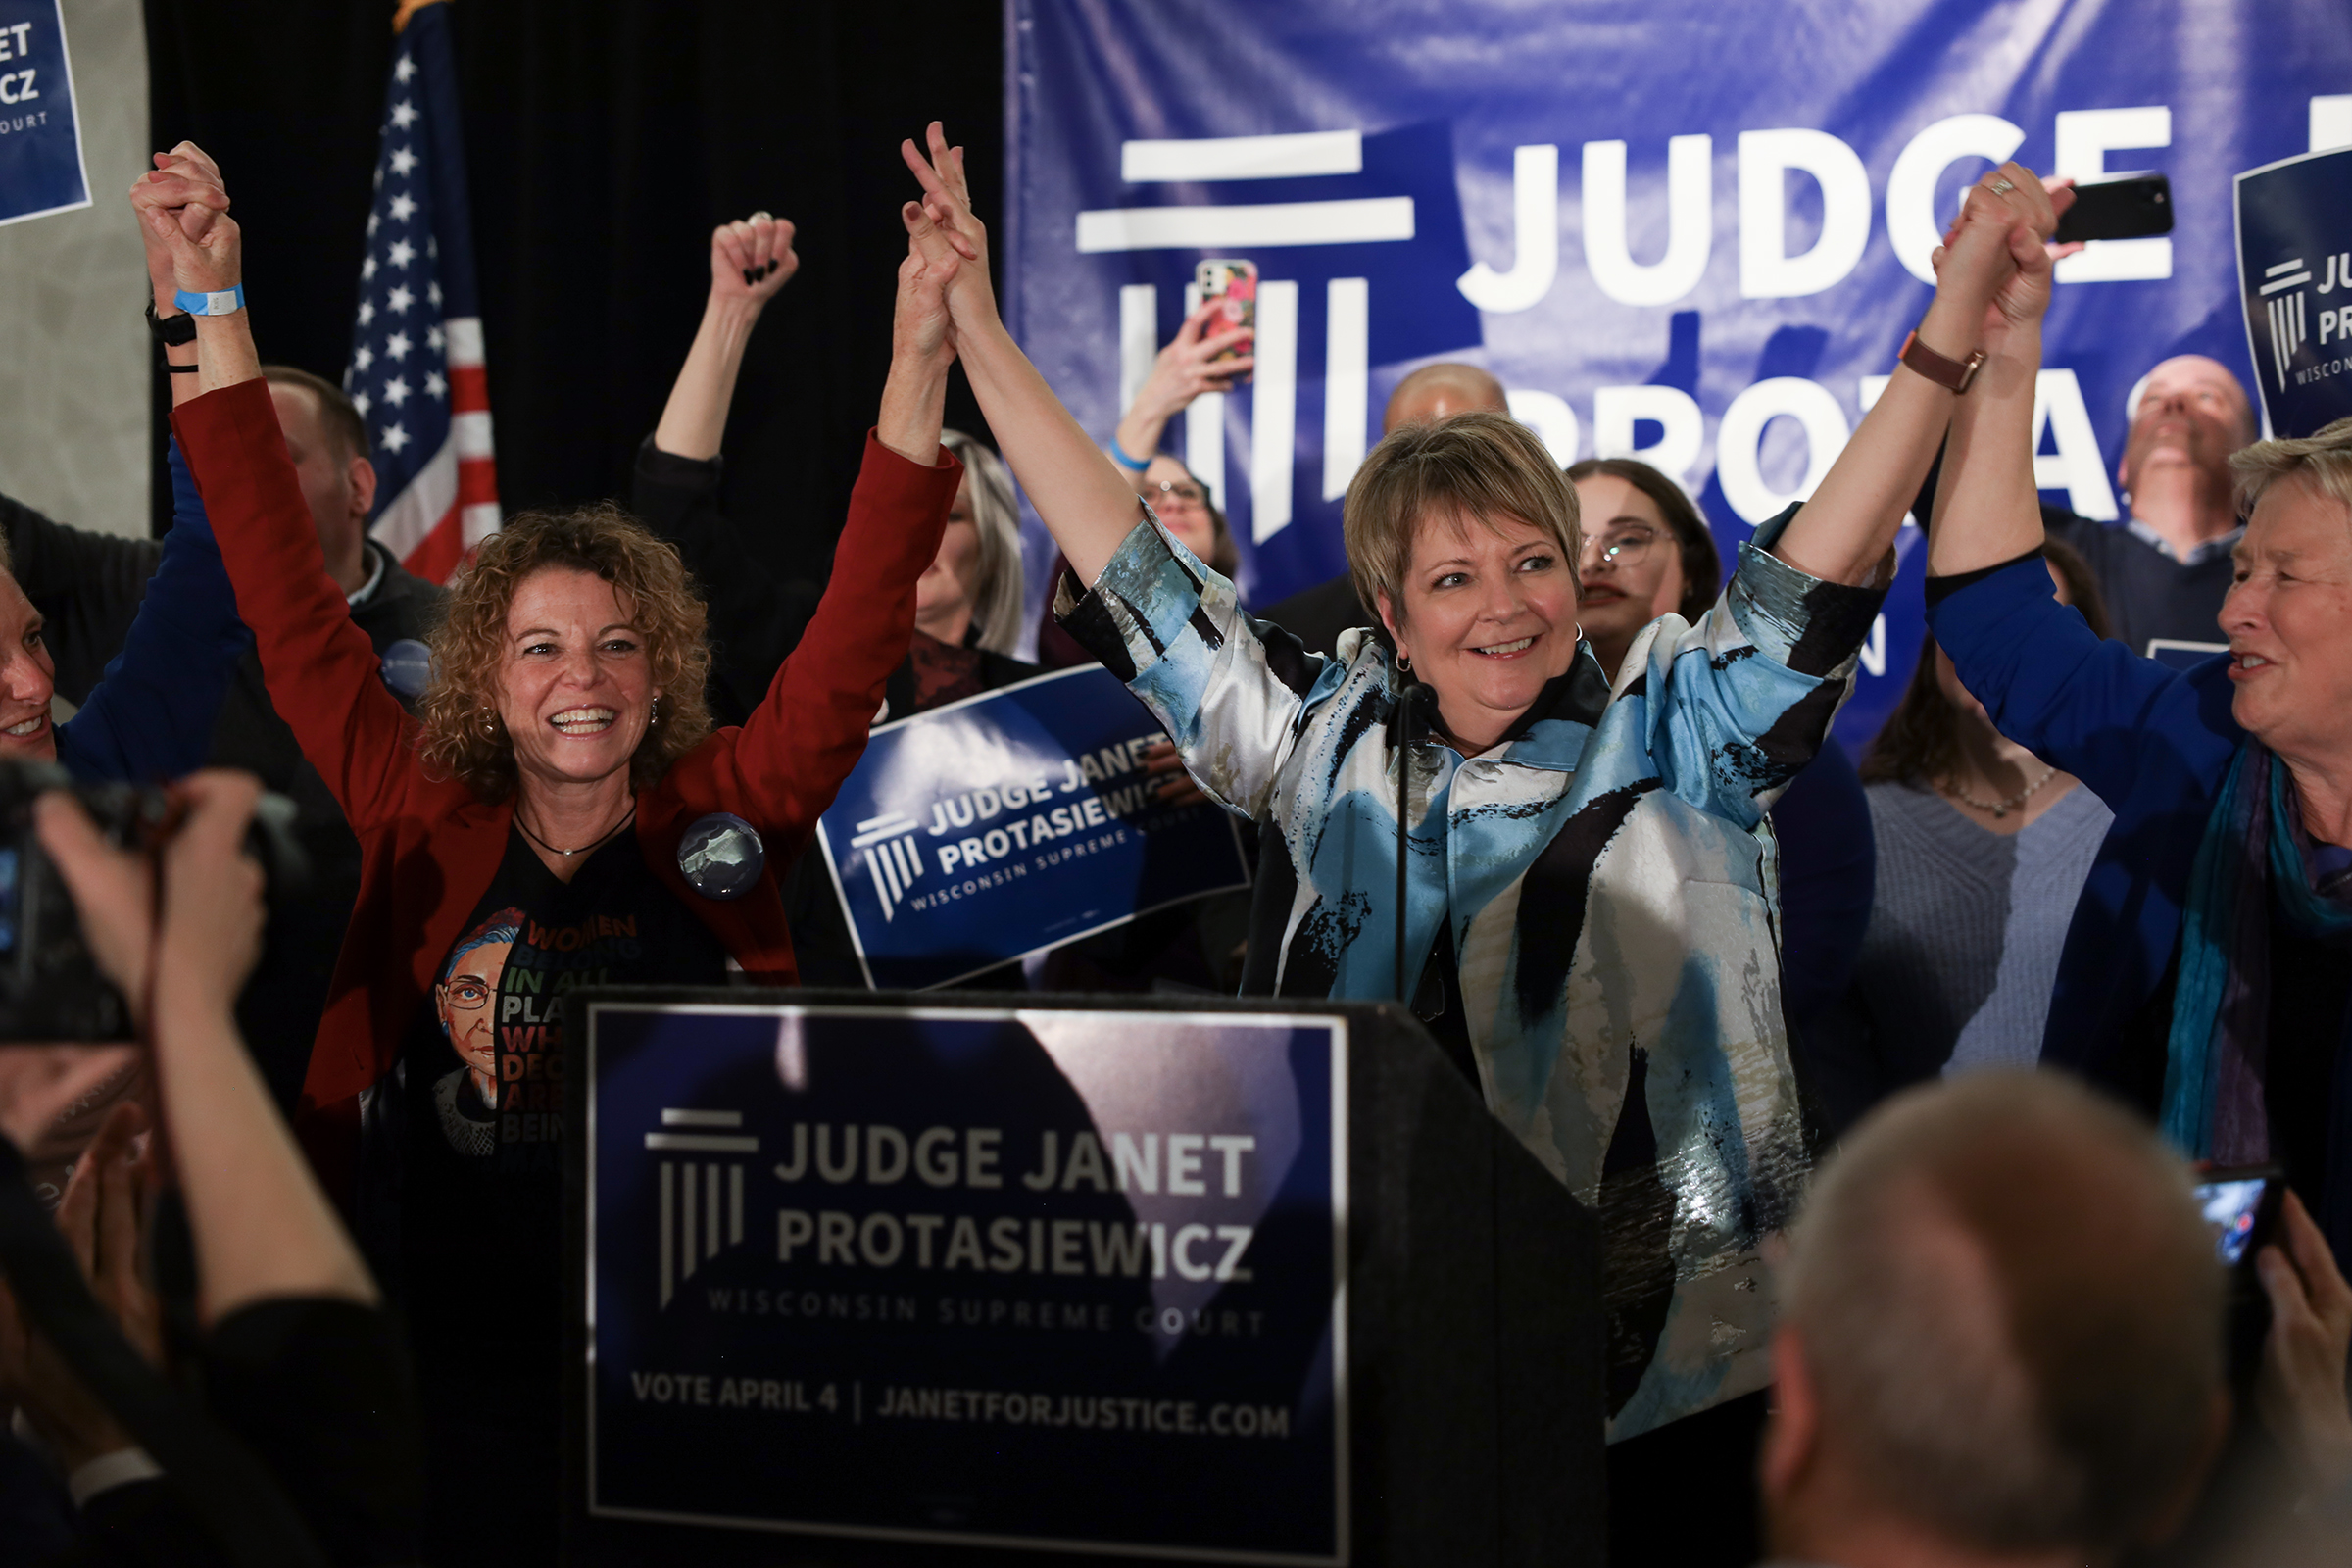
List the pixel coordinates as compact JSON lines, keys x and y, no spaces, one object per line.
{"x":861,"y":1278}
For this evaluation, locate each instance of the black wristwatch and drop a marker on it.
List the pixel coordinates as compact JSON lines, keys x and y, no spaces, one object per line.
{"x":170,"y":330}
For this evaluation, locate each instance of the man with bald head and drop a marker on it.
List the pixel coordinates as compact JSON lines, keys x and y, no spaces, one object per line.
{"x":1318,"y":616}
{"x":1440,"y":392}
{"x":2001,"y":1337}
{"x":2165,"y":569}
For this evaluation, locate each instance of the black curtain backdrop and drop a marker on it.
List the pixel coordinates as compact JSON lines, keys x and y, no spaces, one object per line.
{"x":603,"y":139}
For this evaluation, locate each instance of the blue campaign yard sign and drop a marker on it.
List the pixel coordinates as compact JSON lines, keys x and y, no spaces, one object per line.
{"x":1045,"y":1278}
{"x":40,"y":130}
{"x":2294,"y":267}
{"x":1009,"y":823}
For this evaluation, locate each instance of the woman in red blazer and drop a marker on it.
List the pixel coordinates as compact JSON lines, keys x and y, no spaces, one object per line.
{"x":560,"y":814}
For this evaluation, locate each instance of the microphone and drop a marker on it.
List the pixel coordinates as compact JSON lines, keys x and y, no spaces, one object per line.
{"x":1415,"y":702}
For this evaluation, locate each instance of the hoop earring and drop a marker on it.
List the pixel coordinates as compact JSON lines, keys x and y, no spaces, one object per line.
{"x":1404,"y":666}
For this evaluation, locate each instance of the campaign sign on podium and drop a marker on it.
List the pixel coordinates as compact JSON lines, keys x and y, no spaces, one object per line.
{"x":1043,"y":1277}
{"x":1011,"y":824}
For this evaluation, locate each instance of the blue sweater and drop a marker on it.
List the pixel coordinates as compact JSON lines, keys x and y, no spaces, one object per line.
{"x":149,"y":717}
{"x":2151,"y":742}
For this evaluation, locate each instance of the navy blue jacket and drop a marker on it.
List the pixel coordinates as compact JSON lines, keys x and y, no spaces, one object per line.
{"x":2152,"y":741}
{"x":149,"y":717}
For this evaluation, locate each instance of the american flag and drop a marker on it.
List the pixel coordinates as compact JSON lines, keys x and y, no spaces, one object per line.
{"x":416,"y":368}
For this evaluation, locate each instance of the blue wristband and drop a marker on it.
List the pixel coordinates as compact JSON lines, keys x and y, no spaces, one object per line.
{"x":1119,"y":456}
{"x":227,"y":302}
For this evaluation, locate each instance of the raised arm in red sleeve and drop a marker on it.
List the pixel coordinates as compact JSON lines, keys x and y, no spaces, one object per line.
{"x":321,"y":671}
{"x":803,"y":740}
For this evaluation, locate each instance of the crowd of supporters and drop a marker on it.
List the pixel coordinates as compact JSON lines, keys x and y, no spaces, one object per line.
{"x":2107,"y":832}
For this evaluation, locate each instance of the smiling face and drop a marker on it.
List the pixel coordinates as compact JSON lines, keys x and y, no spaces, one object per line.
{"x":1631,"y":572}
{"x":2193,"y":414}
{"x":575,"y":689}
{"x":1181,"y":505}
{"x":2289,"y":618}
{"x":27,"y":680}
{"x":1489,"y":617}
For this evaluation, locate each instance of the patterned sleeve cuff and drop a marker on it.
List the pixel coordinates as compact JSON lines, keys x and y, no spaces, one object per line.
{"x":1811,"y":625}
{"x":1140,"y":605}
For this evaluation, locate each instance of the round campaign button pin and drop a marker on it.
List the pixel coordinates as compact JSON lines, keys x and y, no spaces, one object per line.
{"x":721,"y":856}
{"x":408,"y":666}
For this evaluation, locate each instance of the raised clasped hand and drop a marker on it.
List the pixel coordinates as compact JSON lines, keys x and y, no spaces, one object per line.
{"x":752,"y":258}
{"x":1998,"y":251}
{"x":183,"y":216}
{"x":942,"y":225}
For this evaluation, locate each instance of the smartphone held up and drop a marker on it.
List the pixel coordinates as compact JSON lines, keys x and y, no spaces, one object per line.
{"x":1231,"y":285}
{"x":2121,"y":207}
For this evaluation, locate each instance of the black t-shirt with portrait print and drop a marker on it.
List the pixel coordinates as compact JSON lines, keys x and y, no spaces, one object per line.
{"x":481,"y":1188}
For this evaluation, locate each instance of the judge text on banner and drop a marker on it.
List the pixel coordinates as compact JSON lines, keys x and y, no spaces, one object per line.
{"x":1679,"y":231}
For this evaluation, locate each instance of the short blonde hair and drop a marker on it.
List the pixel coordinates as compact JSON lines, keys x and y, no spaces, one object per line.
{"x":463,"y":737}
{"x":2322,"y":462}
{"x":1480,"y":465}
{"x":997,"y":597}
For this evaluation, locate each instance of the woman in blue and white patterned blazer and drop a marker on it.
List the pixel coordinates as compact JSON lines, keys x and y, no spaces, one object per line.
{"x":1591,"y":858}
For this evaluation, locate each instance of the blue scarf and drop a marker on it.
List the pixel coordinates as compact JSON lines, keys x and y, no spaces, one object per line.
{"x":2254,"y":850}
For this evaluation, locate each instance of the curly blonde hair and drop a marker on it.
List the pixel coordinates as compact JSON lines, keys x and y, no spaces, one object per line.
{"x":463,"y":738}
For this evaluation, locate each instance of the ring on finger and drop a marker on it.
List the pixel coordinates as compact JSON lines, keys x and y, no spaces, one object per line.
{"x":760,"y":216}
{"x":2000,"y":186}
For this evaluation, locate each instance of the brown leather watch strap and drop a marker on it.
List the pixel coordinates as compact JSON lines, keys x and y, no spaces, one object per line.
{"x":1952,"y":374}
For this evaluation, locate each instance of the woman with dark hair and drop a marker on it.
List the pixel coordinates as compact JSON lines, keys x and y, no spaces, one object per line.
{"x":1983,"y":849}
{"x":562,"y":776}
{"x":1649,"y":553}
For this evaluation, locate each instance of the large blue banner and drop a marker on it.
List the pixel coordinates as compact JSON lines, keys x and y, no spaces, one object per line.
{"x":2294,"y":237}
{"x":1044,"y":1278}
{"x":1692,"y":233}
{"x":40,"y":130}
{"x":1009,"y":823}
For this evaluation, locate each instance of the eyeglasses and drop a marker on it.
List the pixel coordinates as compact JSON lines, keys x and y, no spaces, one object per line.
{"x":1627,"y":547}
{"x":470,"y":994}
{"x":1167,"y":490}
